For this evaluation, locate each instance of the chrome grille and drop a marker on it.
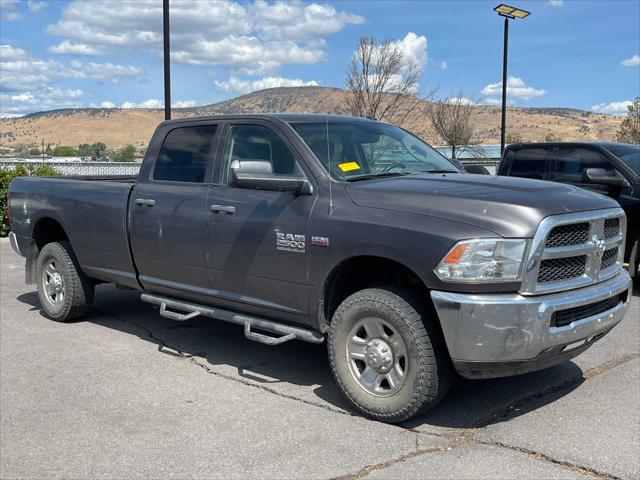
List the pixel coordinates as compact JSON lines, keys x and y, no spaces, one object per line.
{"x":568,"y":235}
{"x":562,"y":268}
{"x":611,"y":227}
{"x":574,"y":250}
{"x":609,"y":258}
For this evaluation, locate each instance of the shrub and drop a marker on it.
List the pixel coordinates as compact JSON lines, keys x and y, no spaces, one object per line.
{"x":6,"y":175}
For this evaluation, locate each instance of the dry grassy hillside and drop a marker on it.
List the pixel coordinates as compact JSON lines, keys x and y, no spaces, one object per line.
{"x":117,"y":127}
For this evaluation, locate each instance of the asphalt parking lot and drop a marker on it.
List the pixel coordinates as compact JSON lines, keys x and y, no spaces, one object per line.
{"x":128,"y":394}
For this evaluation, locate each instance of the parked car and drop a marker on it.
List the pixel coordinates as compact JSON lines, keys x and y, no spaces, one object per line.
{"x":611,"y":169}
{"x":311,"y":227}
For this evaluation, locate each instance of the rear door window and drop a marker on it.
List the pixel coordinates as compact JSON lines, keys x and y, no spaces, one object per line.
{"x":531,"y":162}
{"x":185,"y":154}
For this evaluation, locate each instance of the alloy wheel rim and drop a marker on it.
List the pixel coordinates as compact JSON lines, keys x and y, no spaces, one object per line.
{"x":53,"y":283}
{"x":377,"y":357}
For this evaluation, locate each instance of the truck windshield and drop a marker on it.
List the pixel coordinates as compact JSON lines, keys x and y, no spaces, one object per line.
{"x":629,"y":154}
{"x":352,"y":150}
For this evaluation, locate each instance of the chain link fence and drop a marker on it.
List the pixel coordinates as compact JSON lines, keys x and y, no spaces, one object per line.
{"x":81,"y":168}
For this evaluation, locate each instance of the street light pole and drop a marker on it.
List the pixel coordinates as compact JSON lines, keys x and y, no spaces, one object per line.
{"x":167,"y":60}
{"x":503,"y":127}
{"x":508,"y":12}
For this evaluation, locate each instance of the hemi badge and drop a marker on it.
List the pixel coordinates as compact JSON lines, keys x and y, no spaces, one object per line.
{"x":320,"y":241}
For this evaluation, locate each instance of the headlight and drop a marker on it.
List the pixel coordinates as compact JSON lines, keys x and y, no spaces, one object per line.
{"x":483,"y":261}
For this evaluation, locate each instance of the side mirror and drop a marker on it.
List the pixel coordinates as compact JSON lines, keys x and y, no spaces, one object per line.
{"x":258,"y":175}
{"x":600,"y":176}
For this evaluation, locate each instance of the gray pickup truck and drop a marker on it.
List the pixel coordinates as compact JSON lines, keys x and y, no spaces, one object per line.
{"x":312,"y":226}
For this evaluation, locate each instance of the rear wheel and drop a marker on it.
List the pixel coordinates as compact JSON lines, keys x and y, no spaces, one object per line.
{"x":386,"y":356}
{"x":65,"y":292}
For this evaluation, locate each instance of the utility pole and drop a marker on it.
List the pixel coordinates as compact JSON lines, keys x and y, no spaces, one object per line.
{"x":503,"y":125}
{"x":167,"y":60}
{"x":43,"y":150}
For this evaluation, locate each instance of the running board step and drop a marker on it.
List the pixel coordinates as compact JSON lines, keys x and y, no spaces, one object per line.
{"x":192,"y":310}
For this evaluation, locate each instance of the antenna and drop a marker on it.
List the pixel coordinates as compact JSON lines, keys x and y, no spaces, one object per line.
{"x":326,"y":123}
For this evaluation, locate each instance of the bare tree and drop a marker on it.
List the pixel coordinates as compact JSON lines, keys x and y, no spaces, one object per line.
{"x":382,"y":81}
{"x":452,"y":121}
{"x":629,"y":131}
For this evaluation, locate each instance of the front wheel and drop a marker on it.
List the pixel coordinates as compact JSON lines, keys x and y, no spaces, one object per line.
{"x":64,"y":291}
{"x":387,"y":358}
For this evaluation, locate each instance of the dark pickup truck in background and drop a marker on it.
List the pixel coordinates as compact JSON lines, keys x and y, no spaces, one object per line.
{"x":311,"y":226}
{"x":611,"y":169}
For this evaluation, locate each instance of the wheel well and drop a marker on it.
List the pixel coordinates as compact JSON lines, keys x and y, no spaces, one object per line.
{"x":358,"y":273}
{"x":48,"y":230}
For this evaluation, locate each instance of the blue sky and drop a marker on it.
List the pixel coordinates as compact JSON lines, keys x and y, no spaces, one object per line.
{"x":56,"y":54}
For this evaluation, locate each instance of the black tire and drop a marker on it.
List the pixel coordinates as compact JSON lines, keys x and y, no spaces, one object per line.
{"x":428,"y":368}
{"x":77,"y":292}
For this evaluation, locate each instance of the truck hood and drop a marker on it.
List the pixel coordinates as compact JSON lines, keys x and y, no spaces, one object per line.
{"x":510,"y":207}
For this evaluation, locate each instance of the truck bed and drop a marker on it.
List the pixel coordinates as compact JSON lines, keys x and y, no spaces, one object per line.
{"x":92,"y":210}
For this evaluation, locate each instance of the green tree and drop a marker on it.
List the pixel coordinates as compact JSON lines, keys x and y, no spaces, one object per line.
{"x":98,"y":149}
{"x":6,"y":175}
{"x":65,"y":151}
{"x":85,"y":150}
{"x":125,"y":154}
{"x":629,"y":131}
{"x":34,"y":151}
{"x":551,"y":138}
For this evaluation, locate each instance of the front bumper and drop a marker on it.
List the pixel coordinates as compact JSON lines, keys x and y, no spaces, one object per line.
{"x":499,"y":335}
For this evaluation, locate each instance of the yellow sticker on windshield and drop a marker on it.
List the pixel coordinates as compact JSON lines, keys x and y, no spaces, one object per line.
{"x":347,"y":167}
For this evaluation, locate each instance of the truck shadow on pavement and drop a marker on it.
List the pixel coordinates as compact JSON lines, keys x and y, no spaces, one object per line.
{"x":300,"y":370}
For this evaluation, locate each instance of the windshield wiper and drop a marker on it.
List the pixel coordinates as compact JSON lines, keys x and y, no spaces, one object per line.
{"x":440,"y":171}
{"x":377,"y":175}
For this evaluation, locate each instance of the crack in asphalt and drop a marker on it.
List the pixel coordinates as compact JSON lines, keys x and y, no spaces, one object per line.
{"x":162,"y":344}
{"x":521,"y":402}
{"x":587,"y":471}
{"x":390,"y":463}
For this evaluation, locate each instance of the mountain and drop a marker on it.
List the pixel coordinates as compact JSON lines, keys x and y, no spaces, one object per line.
{"x":117,"y":127}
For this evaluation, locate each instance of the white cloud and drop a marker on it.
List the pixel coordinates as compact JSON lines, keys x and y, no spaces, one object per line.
{"x":256,"y":38}
{"x":414,"y":48}
{"x":613,"y":107}
{"x":68,"y":48}
{"x":631,"y":62}
{"x":183,"y":104}
{"x":461,"y":101}
{"x":555,"y":3}
{"x":237,"y":85}
{"x":36,"y":6}
{"x":443,"y":66}
{"x":151,"y":103}
{"x":29,"y":83}
{"x":22,"y":71}
{"x":295,"y":21}
{"x":103,"y":71}
{"x":9,"y":10}
{"x":47,"y":98}
{"x":154,"y":103}
{"x":11,"y":115}
{"x":23,"y":97}
{"x":516,"y":88}
{"x":107,"y":104}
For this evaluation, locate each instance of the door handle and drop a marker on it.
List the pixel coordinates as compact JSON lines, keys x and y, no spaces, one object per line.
{"x":223,"y":209}
{"x":145,"y":202}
